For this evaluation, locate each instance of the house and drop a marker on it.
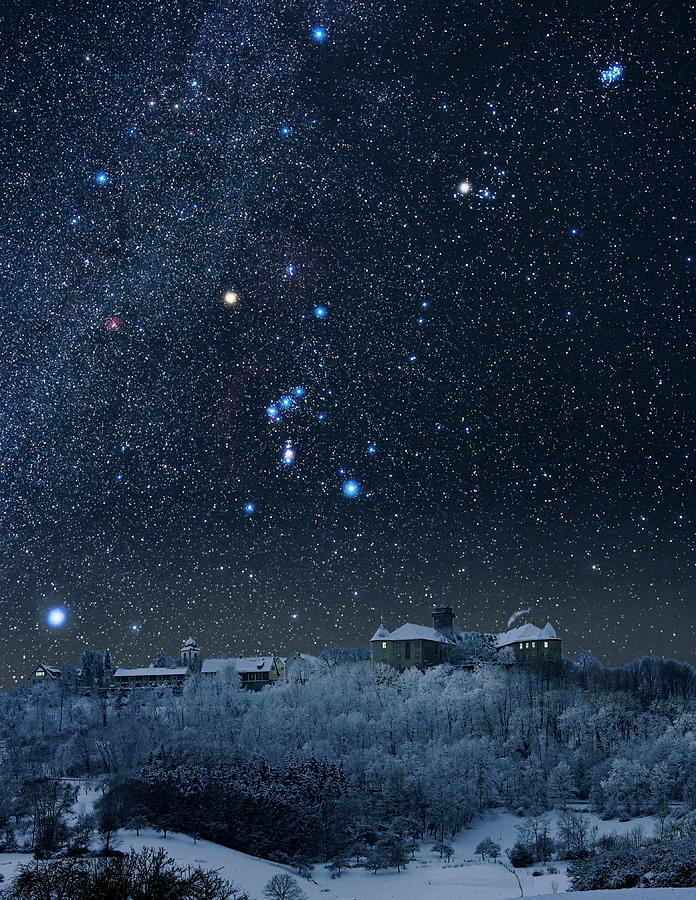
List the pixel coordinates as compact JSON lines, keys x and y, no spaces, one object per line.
{"x":530,"y":644}
{"x":150,"y":676}
{"x":44,"y":673}
{"x":254,"y":671}
{"x":424,"y":645}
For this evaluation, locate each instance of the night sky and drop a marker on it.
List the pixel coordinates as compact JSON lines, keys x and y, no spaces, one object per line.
{"x":313,"y":312}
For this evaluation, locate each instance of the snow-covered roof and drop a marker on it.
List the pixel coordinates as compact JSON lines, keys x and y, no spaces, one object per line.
{"x":526,"y":632}
{"x":189,"y":642}
{"x":381,"y":634}
{"x":150,"y":670}
{"x":410,"y":632}
{"x":254,"y":664}
{"x":213,"y":666}
{"x":52,"y":670}
{"x":240,"y":664}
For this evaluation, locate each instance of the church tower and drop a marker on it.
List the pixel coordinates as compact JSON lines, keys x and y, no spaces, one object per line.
{"x":190,"y":654}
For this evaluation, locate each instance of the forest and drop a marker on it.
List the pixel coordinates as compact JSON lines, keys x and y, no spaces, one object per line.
{"x":352,"y":763}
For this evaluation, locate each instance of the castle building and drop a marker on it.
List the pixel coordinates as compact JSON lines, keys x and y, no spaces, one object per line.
{"x":423,"y":645}
{"x":410,"y":645}
{"x":530,"y":644}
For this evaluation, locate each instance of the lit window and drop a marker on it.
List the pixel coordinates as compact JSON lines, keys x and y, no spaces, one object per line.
{"x":533,"y":644}
{"x":40,"y":673}
{"x":384,"y":645}
{"x":546,"y":644}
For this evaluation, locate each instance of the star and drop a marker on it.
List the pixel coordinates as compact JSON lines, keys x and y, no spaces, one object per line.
{"x":230,"y":298}
{"x":249,"y":508}
{"x":464,"y":187}
{"x":320,"y":312}
{"x":56,"y":617}
{"x":319,"y":34}
{"x":285,"y":130}
{"x":101,"y":178}
{"x":351,"y":488}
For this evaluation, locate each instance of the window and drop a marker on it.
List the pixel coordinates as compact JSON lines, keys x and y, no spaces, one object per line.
{"x":407,"y":650}
{"x":533,"y":645}
{"x":546,"y":645}
{"x":40,"y":673}
{"x":384,"y":645}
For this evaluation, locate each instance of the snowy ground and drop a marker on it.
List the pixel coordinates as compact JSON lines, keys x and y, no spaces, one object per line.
{"x":426,"y":877}
{"x":634,"y":894}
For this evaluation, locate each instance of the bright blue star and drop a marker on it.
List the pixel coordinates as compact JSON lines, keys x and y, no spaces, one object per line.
{"x":56,"y":617}
{"x":135,"y":627}
{"x":611,"y":74}
{"x":568,"y":313}
{"x":288,"y":455}
{"x":321,"y":417}
{"x":286,"y":402}
{"x":574,"y":231}
{"x":351,"y":488}
{"x":102,"y":178}
{"x":290,"y":270}
{"x":299,"y":391}
{"x":75,"y":220}
{"x":249,"y":508}
{"x":425,"y":304}
{"x":272,"y":411}
{"x":320,"y":312}
{"x":285,"y":130}
{"x":318,"y":34}
{"x":372,"y":449}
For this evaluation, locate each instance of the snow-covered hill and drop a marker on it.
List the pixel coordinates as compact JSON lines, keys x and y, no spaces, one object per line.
{"x":426,"y":876}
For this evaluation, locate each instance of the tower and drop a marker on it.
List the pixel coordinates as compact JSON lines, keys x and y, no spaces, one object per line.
{"x":190,"y":654}
{"x":443,"y":620}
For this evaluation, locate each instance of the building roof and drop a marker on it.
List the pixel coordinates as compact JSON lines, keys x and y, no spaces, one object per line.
{"x":149,"y":670}
{"x":382,"y":633}
{"x":189,"y":642}
{"x":212,"y":666}
{"x":52,"y":670}
{"x":254,"y":664}
{"x":410,"y":632}
{"x":526,"y":632}
{"x":239,"y":664}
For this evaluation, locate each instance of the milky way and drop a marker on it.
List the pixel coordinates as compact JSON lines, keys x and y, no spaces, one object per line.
{"x":460,"y":230}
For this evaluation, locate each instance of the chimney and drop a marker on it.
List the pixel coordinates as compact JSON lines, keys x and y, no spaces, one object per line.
{"x":443,"y":620}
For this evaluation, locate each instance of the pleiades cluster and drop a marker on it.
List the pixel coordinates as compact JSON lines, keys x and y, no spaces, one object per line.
{"x":319,"y":312}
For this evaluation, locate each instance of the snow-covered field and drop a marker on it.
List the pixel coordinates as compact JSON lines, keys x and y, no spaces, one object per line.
{"x":634,"y":894}
{"x":426,"y":877}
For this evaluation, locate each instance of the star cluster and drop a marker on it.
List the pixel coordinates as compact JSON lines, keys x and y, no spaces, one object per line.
{"x":460,"y":231}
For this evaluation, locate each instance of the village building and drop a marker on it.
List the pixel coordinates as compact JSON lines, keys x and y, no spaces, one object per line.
{"x":253,"y":672}
{"x":44,"y":673}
